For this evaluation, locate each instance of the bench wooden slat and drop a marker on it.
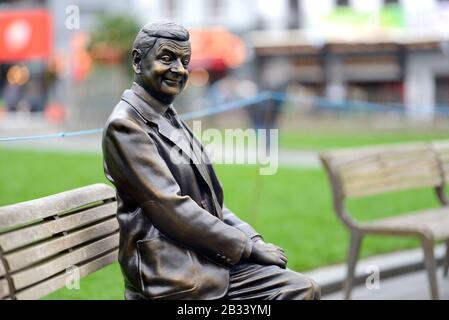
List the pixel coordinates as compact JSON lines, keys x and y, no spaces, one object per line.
{"x":382,"y":167}
{"x":391,"y":184}
{"x":363,"y":190}
{"x":4,"y":288}
{"x":348,"y":157}
{"x":394,"y":157}
{"x":45,"y":270}
{"x":434,"y":222}
{"x":382,"y":162}
{"x":394,"y":182}
{"x":16,"y":239}
{"x":388,"y":173}
{"x":24,"y":212}
{"x":29,"y":255}
{"x":57,"y":282}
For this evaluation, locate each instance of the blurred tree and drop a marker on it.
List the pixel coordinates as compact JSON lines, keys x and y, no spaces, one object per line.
{"x":112,"y":40}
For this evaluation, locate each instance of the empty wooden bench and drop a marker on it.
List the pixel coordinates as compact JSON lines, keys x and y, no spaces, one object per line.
{"x":41,"y":239}
{"x":359,"y":172}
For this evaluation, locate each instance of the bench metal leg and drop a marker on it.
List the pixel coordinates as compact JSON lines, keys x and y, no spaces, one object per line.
{"x":446,"y":259}
{"x":354,"y":250}
{"x":431,"y":267}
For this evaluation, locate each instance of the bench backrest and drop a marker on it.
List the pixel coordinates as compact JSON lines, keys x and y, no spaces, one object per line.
{"x":366,"y":171}
{"x":41,"y":239}
{"x":380,"y":169}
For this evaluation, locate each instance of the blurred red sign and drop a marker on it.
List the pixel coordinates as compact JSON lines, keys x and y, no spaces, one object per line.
{"x":216,"y":49}
{"x":25,"y":35}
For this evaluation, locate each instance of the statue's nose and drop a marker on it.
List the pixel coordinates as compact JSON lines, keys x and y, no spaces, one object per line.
{"x":178,"y":68}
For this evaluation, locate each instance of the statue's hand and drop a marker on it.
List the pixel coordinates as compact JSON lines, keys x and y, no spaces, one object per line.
{"x":268,"y":253}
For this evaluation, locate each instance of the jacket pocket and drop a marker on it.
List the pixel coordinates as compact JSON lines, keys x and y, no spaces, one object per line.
{"x":166,"y":270}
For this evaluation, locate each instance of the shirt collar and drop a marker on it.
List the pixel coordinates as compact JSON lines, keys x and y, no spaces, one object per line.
{"x":152,"y":102}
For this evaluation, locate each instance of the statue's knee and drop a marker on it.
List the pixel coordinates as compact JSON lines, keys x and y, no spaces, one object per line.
{"x":307,"y":288}
{"x":314,"y":290}
{"x":299,"y":287}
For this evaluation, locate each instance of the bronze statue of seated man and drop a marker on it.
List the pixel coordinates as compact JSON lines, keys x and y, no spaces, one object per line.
{"x":177,"y":239}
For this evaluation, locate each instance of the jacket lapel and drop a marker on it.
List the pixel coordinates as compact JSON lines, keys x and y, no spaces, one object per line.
{"x":176,"y":136}
{"x":198,"y":151}
{"x":163,"y":126}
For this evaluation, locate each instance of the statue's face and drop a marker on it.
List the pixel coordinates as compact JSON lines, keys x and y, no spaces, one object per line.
{"x":164,"y":71}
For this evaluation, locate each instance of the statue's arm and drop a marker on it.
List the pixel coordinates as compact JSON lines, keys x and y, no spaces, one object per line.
{"x":232,"y":219}
{"x":137,"y":168}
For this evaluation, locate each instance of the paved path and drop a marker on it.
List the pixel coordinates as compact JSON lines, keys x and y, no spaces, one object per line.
{"x":401,"y":275}
{"x":412,"y":286}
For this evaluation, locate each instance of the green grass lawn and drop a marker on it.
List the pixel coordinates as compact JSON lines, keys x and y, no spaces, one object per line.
{"x":293,"y":209}
{"x":322,"y":139}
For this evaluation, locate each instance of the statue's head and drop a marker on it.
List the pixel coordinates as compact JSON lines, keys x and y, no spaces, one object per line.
{"x":160,"y":57}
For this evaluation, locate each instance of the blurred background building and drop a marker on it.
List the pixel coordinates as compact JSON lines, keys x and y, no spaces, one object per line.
{"x":67,"y":62}
{"x":384,"y":51}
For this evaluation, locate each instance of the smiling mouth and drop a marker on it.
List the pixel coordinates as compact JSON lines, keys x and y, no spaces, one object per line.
{"x":172,"y":82}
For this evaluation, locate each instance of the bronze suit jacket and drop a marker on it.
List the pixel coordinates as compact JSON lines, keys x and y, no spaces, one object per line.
{"x":177,"y":240}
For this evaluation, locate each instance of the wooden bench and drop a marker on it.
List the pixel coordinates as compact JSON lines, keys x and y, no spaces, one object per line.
{"x":41,"y":239}
{"x":359,"y":172}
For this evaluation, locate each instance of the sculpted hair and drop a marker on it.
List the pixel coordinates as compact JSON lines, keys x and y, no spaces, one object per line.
{"x":147,"y":36}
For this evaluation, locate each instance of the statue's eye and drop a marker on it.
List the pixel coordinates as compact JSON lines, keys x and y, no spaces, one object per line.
{"x":186,"y":62}
{"x":166,"y":58}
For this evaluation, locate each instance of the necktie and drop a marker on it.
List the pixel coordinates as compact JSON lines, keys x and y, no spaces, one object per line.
{"x":170,"y":115}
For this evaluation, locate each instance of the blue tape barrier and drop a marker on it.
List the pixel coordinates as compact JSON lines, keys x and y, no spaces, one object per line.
{"x":316,"y":101}
{"x":263,"y":96}
{"x":54,"y":135}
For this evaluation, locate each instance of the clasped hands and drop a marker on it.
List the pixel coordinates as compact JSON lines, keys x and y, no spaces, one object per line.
{"x":268,"y":254}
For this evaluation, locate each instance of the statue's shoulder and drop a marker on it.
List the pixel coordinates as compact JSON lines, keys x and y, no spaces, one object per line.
{"x":122,"y":113}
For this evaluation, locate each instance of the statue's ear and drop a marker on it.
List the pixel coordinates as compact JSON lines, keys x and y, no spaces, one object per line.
{"x":137,"y":59}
